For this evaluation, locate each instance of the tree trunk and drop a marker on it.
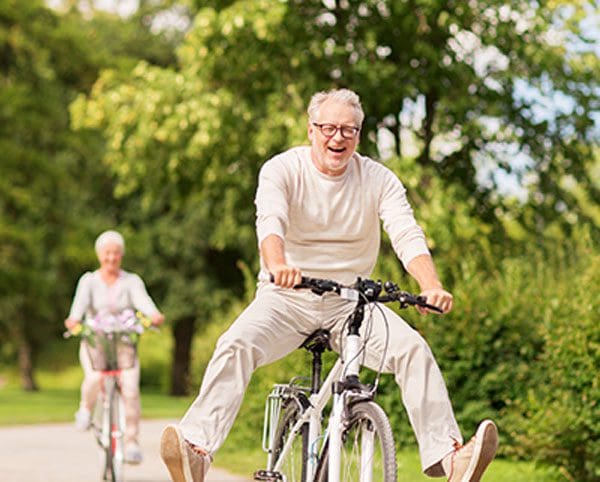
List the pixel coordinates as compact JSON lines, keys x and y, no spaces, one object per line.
{"x":26,"y":367}
{"x":430,"y":111}
{"x":183,"y":332}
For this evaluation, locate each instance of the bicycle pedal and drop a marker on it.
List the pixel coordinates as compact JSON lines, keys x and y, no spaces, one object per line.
{"x":267,"y":475}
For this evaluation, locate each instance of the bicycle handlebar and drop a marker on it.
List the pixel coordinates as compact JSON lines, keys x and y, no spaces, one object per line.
{"x":366,"y":290}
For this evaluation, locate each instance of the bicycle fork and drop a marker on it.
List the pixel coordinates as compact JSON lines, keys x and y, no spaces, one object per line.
{"x":350,"y":379}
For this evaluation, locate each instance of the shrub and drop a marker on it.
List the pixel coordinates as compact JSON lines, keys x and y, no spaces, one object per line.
{"x":560,"y":416}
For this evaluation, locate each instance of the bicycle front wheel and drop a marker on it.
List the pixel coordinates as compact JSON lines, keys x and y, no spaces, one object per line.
{"x":114,"y":427}
{"x":368,"y":452}
{"x":294,"y":461}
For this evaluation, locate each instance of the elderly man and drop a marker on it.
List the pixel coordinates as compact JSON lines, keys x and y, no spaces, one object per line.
{"x":318,"y":214}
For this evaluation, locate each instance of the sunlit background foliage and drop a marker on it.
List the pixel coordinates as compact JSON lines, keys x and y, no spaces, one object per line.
{"x":156,"y":122}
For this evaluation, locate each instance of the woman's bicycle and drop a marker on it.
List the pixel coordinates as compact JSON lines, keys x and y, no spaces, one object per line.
{"x":358,"y":443}
{"x":113,"y":352}
{"x":112,"y":347}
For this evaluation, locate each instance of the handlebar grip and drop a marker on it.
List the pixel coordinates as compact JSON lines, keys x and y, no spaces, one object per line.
{"x":432,"y":308}
{"x":272,"y":279}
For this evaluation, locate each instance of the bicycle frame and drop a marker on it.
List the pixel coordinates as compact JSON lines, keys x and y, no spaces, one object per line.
{"x":313,"y":415}
{"x":107,"y":435}
{"x":343,"y":383}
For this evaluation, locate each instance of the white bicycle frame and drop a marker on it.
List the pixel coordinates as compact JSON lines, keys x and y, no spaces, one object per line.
{"x":102,"y":423}
{"x":344,"y":382}
{"x":313,"y":416}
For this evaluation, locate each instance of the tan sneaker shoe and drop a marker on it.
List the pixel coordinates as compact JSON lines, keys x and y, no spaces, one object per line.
{"x":182,"y":461}
{"x":470,"y":460}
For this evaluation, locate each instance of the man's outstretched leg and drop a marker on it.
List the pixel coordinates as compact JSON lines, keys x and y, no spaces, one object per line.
{"x":266,"y":331}
{"x":428,"y":405}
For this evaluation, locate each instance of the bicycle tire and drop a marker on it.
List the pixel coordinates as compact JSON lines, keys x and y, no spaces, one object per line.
{"x":295,"y":464}
{"x":113,"y":451}
{"x":370,"y":417}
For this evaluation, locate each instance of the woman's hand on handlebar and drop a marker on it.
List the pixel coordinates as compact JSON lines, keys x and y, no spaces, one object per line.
{"x":285,"y":276}
{"x":157,"y":319}
{"x":73,"y":327}
{"x":437,"y":297}
{"x":71,"y":323}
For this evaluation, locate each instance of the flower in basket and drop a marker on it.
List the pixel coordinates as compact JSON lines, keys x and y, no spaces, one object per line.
{"x":144,"y":320}
{"x":126,"y":321}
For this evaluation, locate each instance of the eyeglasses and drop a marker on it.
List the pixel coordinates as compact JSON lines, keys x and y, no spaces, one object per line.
{"x":330,"y":130}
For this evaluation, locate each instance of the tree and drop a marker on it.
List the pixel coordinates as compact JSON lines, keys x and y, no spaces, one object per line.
{"x":51,"y":181}
{"x":188,"y":142}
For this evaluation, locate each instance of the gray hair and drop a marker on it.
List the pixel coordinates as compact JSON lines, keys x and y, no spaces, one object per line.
{"x":110,"y":237}
{"x":345,"y":96}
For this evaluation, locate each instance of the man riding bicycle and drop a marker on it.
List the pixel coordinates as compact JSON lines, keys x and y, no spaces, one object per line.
{"x":318,"y":214}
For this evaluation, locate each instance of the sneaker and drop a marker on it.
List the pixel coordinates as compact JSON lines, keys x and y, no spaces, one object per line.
{"x":133,"y":453}
{"x":470,"y":460}
{"x":183,"y":462}
{"x":83,"y":419}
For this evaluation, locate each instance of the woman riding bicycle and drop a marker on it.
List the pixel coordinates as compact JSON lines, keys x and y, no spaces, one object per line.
{"x":109,"y":291}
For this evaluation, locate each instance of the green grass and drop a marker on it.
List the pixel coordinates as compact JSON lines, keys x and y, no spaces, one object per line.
{"x":409,"y":466}
{"x":56,"y":403}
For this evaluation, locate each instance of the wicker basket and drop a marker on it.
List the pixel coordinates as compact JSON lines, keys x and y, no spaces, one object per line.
{"x":111,"y":351}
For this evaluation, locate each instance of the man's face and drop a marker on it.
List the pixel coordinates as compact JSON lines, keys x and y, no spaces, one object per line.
{"x":331,"y":153}
{"x":110,"y":256}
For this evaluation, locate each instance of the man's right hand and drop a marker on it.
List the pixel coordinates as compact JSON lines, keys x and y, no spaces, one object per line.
{"x":285,"y":276}
{"x":273,"y":253}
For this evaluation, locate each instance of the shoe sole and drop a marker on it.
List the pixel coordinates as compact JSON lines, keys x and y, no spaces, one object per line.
{"x":486,"y":444}
{"x":174,"y":455}
{"x":133,"y":461}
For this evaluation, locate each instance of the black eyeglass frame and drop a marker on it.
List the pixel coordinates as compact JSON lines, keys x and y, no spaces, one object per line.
{"x":355,"y":130}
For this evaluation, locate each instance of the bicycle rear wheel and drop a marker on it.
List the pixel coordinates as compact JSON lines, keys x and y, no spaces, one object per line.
{"x":295,"y":461}
{"x":368,"y":452}
{"x":113,"y":434}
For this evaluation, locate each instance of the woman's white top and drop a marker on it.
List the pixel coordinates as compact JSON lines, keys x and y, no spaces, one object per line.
{"x":93,"y":296}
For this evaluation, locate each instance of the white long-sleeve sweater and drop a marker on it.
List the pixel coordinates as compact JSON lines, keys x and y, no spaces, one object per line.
{"x":93,"y":296}
{"x":331,"y":224}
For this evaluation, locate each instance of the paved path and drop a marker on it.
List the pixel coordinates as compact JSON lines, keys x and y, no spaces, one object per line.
{"x":58,"y":453}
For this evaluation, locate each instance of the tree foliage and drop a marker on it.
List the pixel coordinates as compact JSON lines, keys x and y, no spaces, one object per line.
{"x":52,"y":181}
{"x":186,"y":143}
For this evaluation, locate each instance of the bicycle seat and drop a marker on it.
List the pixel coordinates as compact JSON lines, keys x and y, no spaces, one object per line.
{"x":317,"y":341}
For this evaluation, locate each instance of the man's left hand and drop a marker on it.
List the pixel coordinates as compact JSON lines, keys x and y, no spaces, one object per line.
{"x":438,"y":297}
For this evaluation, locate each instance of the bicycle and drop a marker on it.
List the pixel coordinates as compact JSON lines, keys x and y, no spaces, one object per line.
{"x":111,"y":352}
{"x":108,"y":417}
{"x":358,"y":444}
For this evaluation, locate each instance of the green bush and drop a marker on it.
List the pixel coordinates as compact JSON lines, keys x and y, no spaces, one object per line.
{"x":559,"y":415}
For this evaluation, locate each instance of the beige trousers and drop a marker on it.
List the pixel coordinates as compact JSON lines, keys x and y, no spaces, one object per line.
{"x":277,"y":322}
{"x":129,"y":380}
